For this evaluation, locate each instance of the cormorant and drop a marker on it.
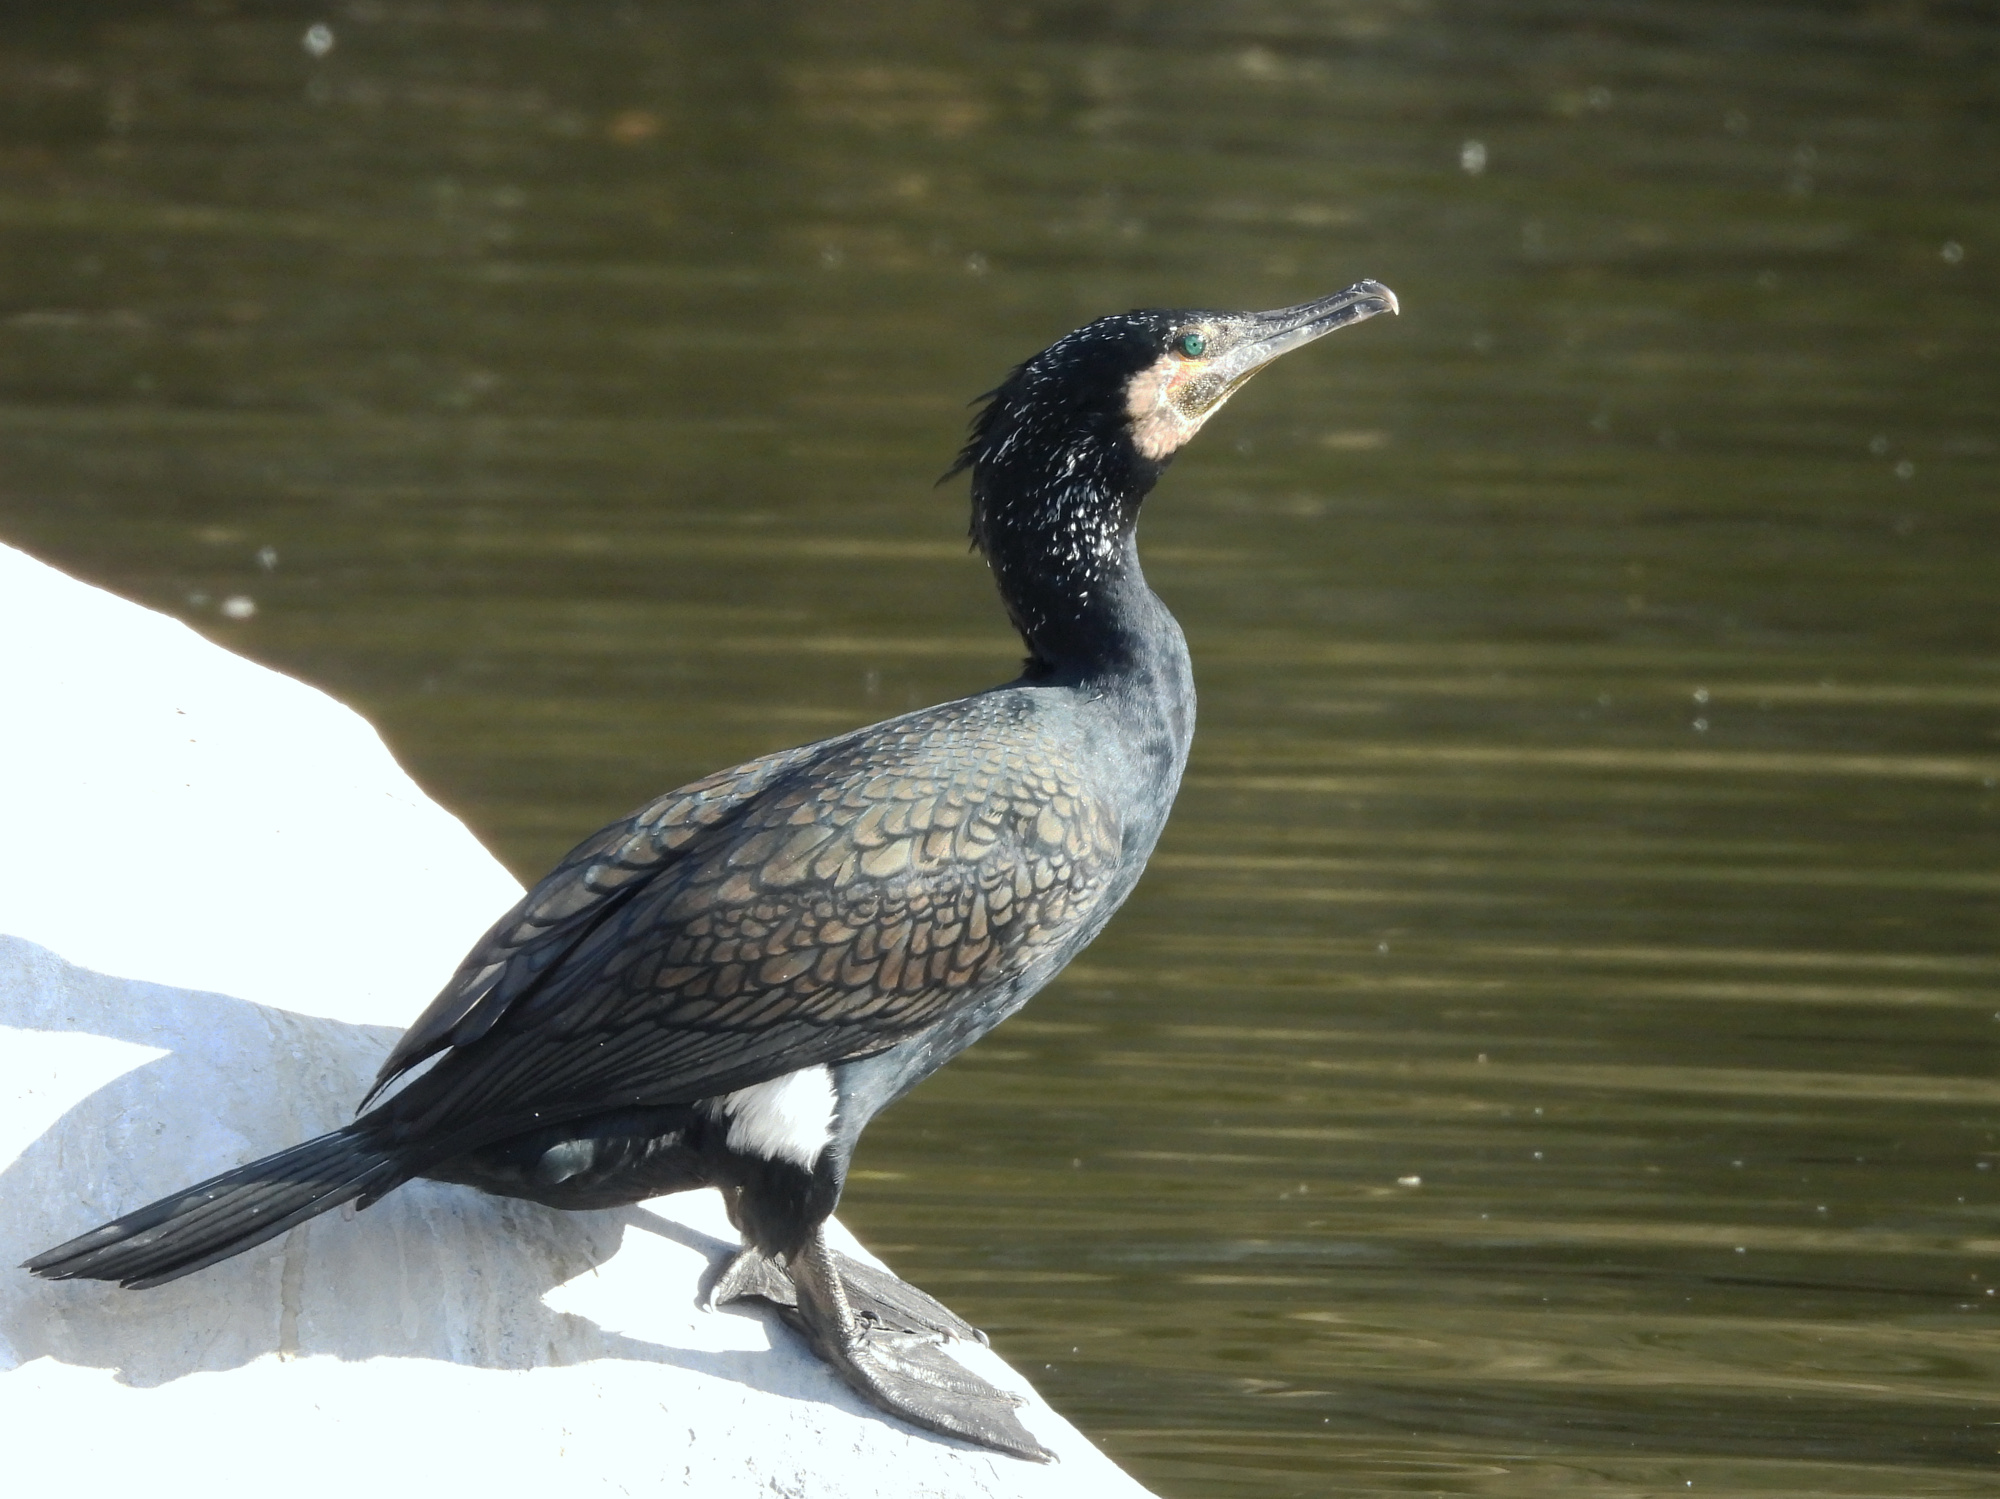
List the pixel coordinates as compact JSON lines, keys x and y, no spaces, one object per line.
{"x":724,"y":988}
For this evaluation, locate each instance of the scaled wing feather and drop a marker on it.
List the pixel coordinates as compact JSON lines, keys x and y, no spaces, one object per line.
{"x":819,"y":918}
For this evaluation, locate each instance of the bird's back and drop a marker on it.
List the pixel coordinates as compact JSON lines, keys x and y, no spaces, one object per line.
{"x":810,"y":907}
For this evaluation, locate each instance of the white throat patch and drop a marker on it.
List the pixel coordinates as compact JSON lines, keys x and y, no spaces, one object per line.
{"x":1158,"y":425}
{"x":1167,"y":402}
{"x":789,"y":1118}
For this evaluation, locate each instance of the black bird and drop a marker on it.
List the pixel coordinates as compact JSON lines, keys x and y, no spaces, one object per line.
{"x":725,"y":987}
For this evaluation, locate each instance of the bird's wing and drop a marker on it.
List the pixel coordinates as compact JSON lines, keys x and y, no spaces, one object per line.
{"x":903,"y":873}
{"x":593,"y":880}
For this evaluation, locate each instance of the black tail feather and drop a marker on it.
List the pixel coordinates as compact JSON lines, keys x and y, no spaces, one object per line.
{"x":227,"y":1214}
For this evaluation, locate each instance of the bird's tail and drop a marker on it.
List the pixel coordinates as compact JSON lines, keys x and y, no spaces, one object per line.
{"x":227,"y":1214}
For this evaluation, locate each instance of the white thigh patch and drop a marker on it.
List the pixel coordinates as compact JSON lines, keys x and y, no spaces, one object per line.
{"x":789,"y":1118}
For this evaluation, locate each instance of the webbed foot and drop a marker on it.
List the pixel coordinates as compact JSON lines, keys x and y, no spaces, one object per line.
{"x":751,"y":1273}
{"x":884,"y":1337}
{"x":876,"y":1296}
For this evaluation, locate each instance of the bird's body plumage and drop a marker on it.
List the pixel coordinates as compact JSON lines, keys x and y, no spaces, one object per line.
{"x":726,"y":986}
{"x":871,"y":905}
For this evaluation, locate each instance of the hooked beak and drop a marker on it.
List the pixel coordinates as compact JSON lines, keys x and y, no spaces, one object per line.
{"x":1168,"y":402}
{"x":1266,"y":335}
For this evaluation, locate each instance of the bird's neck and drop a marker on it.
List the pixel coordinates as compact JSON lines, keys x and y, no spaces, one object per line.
{"x":1061,"y":539}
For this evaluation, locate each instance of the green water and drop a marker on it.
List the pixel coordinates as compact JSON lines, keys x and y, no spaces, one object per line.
{"x":1554,"y":1051}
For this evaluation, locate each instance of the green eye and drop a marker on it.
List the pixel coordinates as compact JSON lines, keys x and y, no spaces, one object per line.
{"x":1191,"y":344}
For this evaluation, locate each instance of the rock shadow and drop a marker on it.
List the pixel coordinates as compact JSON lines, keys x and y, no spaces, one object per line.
{"x":133,"y":1089}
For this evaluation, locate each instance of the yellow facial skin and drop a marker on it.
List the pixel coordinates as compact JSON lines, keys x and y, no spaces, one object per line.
{"x":1169,"y":400}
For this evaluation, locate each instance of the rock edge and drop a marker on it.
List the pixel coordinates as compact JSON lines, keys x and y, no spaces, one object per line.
{"x":192,"y":972}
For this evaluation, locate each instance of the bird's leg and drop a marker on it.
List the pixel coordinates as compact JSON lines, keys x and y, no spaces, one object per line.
{"x":878,"y":1298}
{"x":907,"y":1374}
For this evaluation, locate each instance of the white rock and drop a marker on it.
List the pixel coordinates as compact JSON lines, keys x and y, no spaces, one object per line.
{"x":198,"y":967}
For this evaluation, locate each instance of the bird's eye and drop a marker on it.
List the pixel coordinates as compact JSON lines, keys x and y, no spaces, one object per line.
{"x":1191,"y":344}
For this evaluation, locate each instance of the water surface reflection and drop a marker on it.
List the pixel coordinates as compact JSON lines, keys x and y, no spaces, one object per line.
{"x":1554,"y":1050}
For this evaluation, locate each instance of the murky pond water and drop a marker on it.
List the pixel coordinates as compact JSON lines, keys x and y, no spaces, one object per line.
{"x":1554,"y":1052}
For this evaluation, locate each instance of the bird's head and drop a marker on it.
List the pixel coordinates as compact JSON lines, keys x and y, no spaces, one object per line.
{"x":1065,"y":451}
{"x":1129,"y":390}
